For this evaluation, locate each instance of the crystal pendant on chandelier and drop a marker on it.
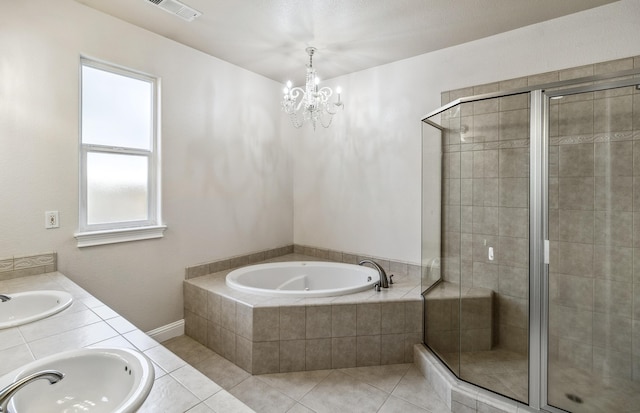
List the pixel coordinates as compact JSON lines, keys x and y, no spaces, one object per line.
{"x":312,"y":102}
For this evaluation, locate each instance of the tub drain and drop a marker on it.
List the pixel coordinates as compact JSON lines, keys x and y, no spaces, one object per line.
{"x":574,"y":398}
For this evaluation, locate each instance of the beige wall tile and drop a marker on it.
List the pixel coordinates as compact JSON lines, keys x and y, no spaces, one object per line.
{"x":392,"y":348}
{"x":343,"y":320}
{"x":266,"y":324}
{"x":245,"y":321}
{"x":228,"y":314}
{"x":318,"y":321}
{"x":213,"y":307}
{"x":318,"y":354}
{"x":343,"y":352}
{"x":392,"y":317}
{"x":576,"y":160}
{"x":266,"y":357}
{"x":368,"y":350}
{"x":368,"y":319}
{"x":292,"y":323}
{"x":292,"y":355}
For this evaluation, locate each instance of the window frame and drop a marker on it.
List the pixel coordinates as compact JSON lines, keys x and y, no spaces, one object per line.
{"x":123,"y":231}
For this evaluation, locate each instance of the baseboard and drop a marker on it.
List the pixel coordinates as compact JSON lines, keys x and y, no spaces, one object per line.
{"x":164,"y":333}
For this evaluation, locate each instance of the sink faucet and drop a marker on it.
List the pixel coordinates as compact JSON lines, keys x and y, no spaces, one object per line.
{"x":4,"y":298}
{"x":8,"y":392}
{"x":384,"y":281}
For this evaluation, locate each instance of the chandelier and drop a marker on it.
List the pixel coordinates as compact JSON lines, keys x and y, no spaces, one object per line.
{"x":312,"y":102}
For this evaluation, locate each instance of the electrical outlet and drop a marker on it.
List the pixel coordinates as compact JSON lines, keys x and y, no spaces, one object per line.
{"x":51,"y":219}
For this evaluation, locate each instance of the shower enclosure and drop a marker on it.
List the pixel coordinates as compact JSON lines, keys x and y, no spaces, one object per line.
{"x":531,"y":242}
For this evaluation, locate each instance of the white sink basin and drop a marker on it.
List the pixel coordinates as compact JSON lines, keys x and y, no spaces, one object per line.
{"x":23,"y":308}
{"x":96,"y":380}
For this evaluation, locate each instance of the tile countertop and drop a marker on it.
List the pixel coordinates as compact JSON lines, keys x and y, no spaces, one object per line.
{"x":178,"y":387}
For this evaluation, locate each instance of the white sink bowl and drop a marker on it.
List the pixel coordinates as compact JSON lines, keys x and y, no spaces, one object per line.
{"x":30,"y":306}
{"x":96,"y":380}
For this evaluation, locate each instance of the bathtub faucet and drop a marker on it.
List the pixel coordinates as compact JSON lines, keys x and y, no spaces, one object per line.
{"x":384,"y":281}
{"x":7,"y":393}
{"x":4,"y":298}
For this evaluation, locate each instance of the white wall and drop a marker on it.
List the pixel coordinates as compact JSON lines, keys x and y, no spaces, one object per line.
{"x":227,"y":186}
{"x":357,"y":185}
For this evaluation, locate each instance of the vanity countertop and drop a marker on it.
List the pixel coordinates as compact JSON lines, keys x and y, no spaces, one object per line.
{"x":178,"y":387}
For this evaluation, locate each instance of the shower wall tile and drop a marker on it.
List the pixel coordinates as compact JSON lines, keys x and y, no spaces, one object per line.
{"x":594,"y":218}
{"x":613,"y":66}
{"x":636,"y":112}
{"x":613,"y":297}
{"x":576,"y":118}
{"x":576,"y":226}
{"x":576,"y":353}
{"x":611,"y":332}
{"x":514,"y":163}
{"x":514,"y":102}
{"x":576,"y":160}
{"x":485,"y":275}
{"x":513,"y":281}
{"x":514,"y":192}
{"x":485,"y":128}
{"x":514,"y":222}
{"x":576,"y":259}
{"x":543,"y":78}
{"x":514,"y":251}
{"x":576,"y":193}
{"x":514,"y":124}
{"x":611,"y":363}
{"x":576,"y":72}
{"x":613,"y":228}
{"x":615,"y":194}
{"x":613,"y":114}
{"x":571,"y":291}
{"x":571,"y":323}
{"x":614,"y":263}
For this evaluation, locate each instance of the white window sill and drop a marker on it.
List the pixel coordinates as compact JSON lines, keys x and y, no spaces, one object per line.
{"x":113,"y":236}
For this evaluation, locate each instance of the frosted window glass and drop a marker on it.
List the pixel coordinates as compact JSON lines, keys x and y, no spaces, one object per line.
{"x":117,"y":188}
{"x":116,"y":110}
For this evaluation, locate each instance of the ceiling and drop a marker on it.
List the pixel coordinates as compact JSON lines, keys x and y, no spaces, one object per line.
{"x":269,"y":37}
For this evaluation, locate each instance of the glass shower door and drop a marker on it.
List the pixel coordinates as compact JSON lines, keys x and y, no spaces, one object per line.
{"x":594,"y":231}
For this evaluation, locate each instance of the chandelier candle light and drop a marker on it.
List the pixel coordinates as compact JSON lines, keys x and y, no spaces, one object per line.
{"x":312,"y":102}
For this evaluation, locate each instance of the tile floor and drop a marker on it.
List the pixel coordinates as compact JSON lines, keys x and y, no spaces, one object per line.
{"x":397,"y":388}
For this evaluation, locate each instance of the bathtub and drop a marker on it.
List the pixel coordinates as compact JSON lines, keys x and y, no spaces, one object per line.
{"x":302,"y":279}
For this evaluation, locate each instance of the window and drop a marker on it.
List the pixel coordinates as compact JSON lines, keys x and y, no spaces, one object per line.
{"x":119,"y":156}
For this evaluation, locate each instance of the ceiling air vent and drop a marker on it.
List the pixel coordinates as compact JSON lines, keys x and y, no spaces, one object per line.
{"x":177,"y":8}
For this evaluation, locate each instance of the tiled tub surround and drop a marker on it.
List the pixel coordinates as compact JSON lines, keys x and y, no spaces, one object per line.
{"x":270,"y":335}
{"x":22,"y":266}
{"x":178,"y":387}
